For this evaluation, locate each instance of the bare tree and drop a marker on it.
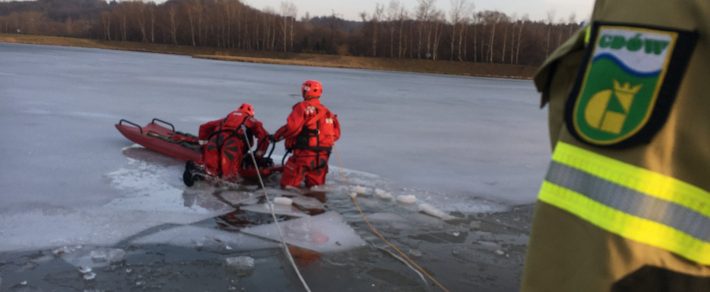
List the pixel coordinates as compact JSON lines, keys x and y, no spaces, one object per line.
{"x":288,"y":14}
{"x":550,"y":19}
{"x":424,"y":10}
{"x":106,"y":21}
{"x":458,"y":15}
{"x":392,"y":16}
{"x":521,"y":27}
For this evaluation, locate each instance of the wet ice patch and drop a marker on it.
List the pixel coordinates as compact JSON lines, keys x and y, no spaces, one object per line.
{"x":327,"y":232}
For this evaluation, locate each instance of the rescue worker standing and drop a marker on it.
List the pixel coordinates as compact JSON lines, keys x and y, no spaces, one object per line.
{"x":225,"y":141}
{"x":310,"y":132}
{"x":625,"y":205}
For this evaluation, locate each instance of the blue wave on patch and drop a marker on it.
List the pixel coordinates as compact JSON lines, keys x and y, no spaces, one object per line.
{"x":624,"y":67}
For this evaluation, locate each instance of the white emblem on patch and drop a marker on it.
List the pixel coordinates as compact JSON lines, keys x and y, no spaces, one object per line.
{"x":311,"y":110}
{"x":328,"y":121}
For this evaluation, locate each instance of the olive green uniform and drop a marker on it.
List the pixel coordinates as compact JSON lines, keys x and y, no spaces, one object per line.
{"x":629,"y":184}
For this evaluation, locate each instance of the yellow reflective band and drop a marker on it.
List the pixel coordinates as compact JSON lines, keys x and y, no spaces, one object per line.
{"x":635,"y":178}
{"x":625,"y":225}
{"x":587,"y":34}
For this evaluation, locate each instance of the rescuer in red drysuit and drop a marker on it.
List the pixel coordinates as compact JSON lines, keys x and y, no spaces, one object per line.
{"x":224,"y":142}
{"x":310,"y":132}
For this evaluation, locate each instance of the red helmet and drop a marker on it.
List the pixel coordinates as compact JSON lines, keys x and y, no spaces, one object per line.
{"x":311,"y":89}
{"x":247,"y":109}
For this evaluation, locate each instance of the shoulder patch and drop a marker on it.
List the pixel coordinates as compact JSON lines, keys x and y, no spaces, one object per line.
{"x":624,"y":93}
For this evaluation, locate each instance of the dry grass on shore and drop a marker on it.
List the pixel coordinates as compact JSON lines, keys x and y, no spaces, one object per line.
{"x":320,"y":60}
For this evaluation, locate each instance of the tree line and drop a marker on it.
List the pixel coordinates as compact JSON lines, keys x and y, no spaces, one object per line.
{"x":389,"y":31}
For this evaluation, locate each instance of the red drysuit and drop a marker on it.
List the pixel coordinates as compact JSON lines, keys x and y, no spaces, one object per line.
{"x":310,"y":132}
{"x":226,"y":144}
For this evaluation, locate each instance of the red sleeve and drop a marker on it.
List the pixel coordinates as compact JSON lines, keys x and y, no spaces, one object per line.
{"x":294,"y":123}
{"x":207,"y":129}
{"x":262,"y":136}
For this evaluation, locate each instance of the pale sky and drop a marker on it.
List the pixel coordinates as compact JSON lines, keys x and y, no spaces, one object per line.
{"x":350,"y":9}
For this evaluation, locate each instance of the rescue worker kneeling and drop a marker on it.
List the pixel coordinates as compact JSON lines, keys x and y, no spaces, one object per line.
{"x":225,"y":141}
{"x":310,"y":132}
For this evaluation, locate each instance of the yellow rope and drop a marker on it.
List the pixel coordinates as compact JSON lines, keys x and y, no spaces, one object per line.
{"x":382,"y":237}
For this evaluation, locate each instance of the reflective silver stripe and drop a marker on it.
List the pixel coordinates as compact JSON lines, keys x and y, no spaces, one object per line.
{"x":630,"y":201}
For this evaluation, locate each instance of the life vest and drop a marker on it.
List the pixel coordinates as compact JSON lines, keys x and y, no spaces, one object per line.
{"x":319,"y":132}
{"x":225,"y":146}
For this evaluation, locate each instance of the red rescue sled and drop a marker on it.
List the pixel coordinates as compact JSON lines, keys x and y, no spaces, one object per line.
{"x":184,"y":146}
{"x":163,"y":140}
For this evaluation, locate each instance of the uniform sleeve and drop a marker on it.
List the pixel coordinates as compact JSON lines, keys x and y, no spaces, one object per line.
{"x":294,"y":123}
{"x":262,"y":136}
{"x":206,"y":129}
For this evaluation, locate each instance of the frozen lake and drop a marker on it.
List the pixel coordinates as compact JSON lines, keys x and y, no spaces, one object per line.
{"x":67,"y":176}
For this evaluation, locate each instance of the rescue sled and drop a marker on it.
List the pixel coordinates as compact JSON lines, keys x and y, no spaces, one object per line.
{"x":166,"y":141}
{"x":160,"y":136}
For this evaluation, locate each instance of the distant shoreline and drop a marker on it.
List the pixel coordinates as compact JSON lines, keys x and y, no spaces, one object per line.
{"x":301,"y":59}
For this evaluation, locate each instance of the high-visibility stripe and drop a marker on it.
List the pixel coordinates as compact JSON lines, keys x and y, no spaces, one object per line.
{"x":634,"y":177}
{"x":625,"y":225}
{"x":630,"y":201}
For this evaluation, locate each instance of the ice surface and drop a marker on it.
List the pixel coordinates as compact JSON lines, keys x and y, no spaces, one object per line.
{"x":66,"y":178}
{"x":326,"y":232}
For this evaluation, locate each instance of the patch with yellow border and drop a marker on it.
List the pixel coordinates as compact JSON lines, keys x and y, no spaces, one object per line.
{"x":625,"y":92}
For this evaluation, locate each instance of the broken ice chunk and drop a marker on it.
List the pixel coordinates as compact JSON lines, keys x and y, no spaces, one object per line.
{"x":407,"y":199}
{"x":84,"y":269}
{"x":107,"y":255}
{"x":327,"y":232}
{"x":243,"y":265}
{"x":382,"y":194}
{"x":360,"y":190}
{"x":89,"y":276}
{"x":433,"y":211}
{"x":283,"y":201}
